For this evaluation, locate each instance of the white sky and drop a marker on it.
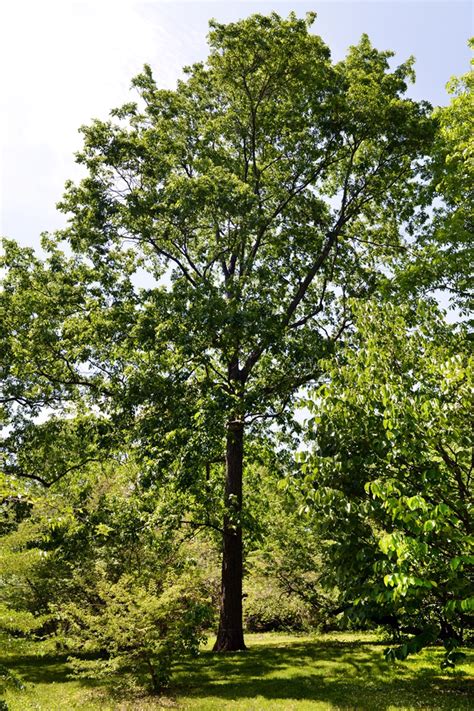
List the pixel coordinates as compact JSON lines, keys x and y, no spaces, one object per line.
{"x":66,"y":61}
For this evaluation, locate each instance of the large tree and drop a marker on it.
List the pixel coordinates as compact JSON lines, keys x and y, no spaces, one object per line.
{"x":258,"y":195}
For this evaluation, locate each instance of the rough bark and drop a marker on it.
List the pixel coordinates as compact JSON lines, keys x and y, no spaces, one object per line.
{"x":230,"y":635}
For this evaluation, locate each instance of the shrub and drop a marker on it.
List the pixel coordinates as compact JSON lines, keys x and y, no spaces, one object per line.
{"x":136,"y":628}
{"x":267,"y":608}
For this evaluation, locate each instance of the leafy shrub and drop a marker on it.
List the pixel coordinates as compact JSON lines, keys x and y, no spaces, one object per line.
{"x":392,"y":471}
{"x":267,"y":608}
{"x":136,"y":628}
{"x":95,"y":564}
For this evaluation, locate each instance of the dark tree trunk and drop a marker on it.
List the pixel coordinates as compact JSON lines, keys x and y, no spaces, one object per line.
{"x":230,"y":636}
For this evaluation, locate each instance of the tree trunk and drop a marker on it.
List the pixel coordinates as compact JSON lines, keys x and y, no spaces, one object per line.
{"x":230,"y":636}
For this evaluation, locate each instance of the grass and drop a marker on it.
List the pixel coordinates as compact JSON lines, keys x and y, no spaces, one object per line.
{"x":280,"y":672}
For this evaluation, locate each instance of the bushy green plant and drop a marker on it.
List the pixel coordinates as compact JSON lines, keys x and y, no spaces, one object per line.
{"x":8,"y":680}
{"x":268,"y":608}
{"x":96,"y":563}
{"x":26,"y":578}
{"x":137,"y":628}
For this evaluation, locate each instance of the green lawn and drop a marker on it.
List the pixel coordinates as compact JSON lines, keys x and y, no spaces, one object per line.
{"x":279,"y":671}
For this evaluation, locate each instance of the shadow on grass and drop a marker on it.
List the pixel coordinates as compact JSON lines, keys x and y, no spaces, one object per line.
{"x":345,"y":675}
{"x":45,"y":669}
{"x":341,"y":674}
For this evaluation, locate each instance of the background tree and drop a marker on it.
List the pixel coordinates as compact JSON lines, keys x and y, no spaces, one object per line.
{"x":284,"y":559}
{"x":444,"y":248}
{"x":392,"y":469}
{"x":269,"y":186}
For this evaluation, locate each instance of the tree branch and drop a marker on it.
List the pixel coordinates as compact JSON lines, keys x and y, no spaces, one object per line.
{"x":44,"y":482}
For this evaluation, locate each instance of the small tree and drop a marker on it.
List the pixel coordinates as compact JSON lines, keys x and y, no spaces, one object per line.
{"x":392,"y":471}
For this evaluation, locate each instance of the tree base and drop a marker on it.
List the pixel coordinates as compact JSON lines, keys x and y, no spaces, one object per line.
{"x":229,"y":641}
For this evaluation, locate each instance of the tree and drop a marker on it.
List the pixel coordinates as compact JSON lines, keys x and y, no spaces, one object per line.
{"x":392,"y":464}
{"x":444,"y":246}
{"x":257,"y":195}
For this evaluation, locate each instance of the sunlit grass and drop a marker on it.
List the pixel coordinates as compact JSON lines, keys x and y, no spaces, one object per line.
{"x":279,"y":671}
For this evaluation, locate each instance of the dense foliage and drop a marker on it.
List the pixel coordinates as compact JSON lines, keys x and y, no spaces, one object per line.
{"x":392,"y":470}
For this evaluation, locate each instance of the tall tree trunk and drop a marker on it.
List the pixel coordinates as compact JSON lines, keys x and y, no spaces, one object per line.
{"x":230,"y":636}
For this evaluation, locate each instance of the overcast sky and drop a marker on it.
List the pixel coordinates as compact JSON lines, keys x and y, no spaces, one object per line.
{"x":66,"y":61}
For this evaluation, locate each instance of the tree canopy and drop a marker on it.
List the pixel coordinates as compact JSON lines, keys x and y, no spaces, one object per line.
{"x":214,"y":252}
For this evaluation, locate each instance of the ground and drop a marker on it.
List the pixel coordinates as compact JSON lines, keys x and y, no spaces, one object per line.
{"x":279,"y":672}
